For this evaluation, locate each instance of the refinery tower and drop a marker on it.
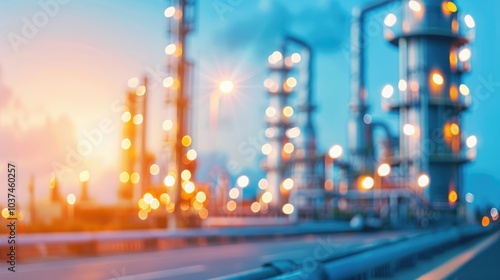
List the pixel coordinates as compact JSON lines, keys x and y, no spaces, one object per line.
{"x":432,"y":37}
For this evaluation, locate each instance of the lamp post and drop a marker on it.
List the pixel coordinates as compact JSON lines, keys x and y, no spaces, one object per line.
{"x":382,"y":171}
{"x":333,"y":153}
{"x":71,"y":199}
{"x":84,"y":178}
{"x":242,"y":182}
{"x":224,"y":88}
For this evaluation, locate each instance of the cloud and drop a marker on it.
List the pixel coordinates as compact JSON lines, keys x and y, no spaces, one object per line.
{"x":5,"y":93}
{"x":323,"y":24}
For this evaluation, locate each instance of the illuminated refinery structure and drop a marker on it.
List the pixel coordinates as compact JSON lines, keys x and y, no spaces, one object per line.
{"x":433,"y":38}
{"x":291,"y":164}
{"x":181,"y":17}
{"x":418,"y":169}
{"x":426,"y":163}
{"x":422,"y":167}
{"x":134,"y":173}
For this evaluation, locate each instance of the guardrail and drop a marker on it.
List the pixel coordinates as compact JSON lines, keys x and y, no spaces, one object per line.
{"x":381,"y":259}
{"x":32,"y":246}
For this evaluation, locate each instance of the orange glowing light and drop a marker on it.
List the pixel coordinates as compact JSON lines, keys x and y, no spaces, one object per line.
{"x":203,"y":213}
{"x":452,"y":197}
{"x":454,"y":93}
{"x":189,"y":187}
{"x":485,"y":221}
{"x":143,"y":215}
{"x":451,"y":7}
{"x":414,"y":86}
{"x":186,"y":175}
{"x":453,"y":58}
{"x":165,"y":198}
{"x":438,"y":79}
{"x":436,"y":82}
{"x":124,"y":177}
{"x":454,"y":26}
{"x":201,"y":197}
{"x":288,"y":148}
{"x":135,"y":177}
{"x":455,"y":129}
{"x":288,"y":111}
{"x":231,"y":205}
{"x":186,"y":140}
{"x":154,"y":169}
{"x":329,"y":185}
{"x":255,"y":207}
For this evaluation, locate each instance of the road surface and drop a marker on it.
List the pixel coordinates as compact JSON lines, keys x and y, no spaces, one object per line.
{"x":193,"y":263}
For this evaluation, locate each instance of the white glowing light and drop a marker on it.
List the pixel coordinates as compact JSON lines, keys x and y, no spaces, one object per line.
{"x":464,"y":54}
{"x":415,"y":6}
{"x":169,"y":12}
{"x":469,"y":21}
{"x":464,"y":90}
{"x":226,"y":87}
{"x":402,"y":85}
{"x":293,"y":132}
{"x":390,"y":20}
{"x":408,"y":129}
{"x":296,"y":58}
{"x":471,"y":141}
{"x":170,"y":49}
{"x":288,"y":209}
{"x":384,"y":170}
{"x":335,"y":151}
{"x":423,"y":180}
{"x":469,"y":197}
{"x":387,"y":91}
{"x":243,"y":181}
{"x":234,"y":193}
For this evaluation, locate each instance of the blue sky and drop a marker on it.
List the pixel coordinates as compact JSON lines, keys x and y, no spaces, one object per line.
{"x":94,"y":47}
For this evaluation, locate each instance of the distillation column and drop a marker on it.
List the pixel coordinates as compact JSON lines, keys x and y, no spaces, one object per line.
{"x":433,"y":56}
{"x":181,"y":15}
{"x":360,"y":129}
{"x":278,"y":122}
